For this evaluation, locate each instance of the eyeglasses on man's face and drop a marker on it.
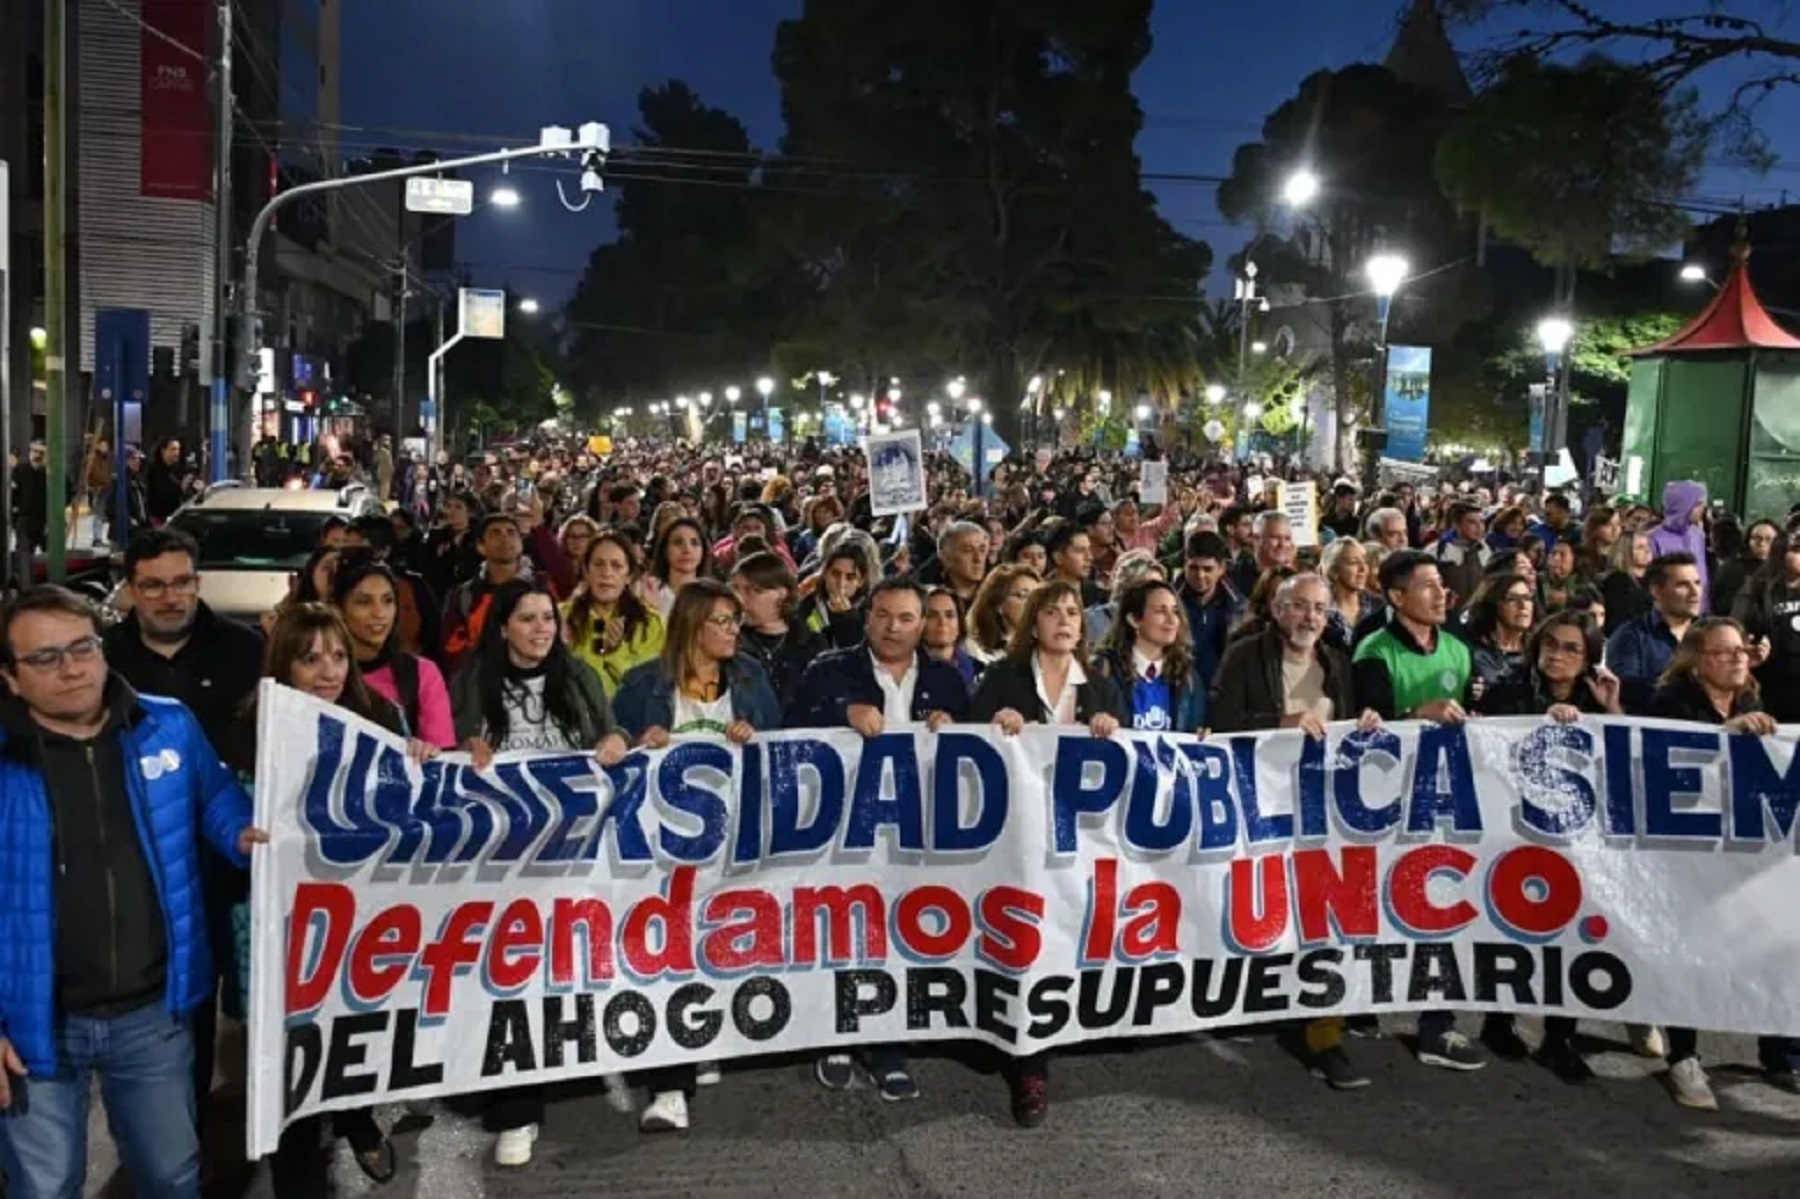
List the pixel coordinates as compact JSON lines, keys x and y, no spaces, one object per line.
{"x":50,"y":657}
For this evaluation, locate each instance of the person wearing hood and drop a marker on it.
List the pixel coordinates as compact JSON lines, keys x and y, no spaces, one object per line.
{"x":1682,"y":530}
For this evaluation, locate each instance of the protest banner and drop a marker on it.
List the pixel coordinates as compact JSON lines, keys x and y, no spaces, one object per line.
{"x":429,"y":931}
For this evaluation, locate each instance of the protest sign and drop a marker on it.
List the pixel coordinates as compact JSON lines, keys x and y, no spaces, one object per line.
{"x":1300,"y":501}
{"x":430,"y":931}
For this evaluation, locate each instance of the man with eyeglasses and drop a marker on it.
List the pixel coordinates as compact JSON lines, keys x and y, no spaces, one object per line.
{"x":104,"y":796}
{"x":173,"y":644}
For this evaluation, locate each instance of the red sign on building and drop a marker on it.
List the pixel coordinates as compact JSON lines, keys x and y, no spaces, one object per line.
{"x":176,"y":141}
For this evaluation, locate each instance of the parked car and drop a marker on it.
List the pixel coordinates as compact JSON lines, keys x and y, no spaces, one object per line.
{"x":254,"y":540}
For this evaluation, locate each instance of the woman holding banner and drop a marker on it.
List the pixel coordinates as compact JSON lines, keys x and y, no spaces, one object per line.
{"x":700,"y":687}
{"x":1045,"y":678}
{"x":1709,"y":682}
{"x":524,"y":690}
{"x":366,"y":593}
{"x":310,"y":649}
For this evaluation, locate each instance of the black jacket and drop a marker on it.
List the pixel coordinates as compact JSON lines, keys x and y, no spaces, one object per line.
{"x":213,"y":674}
{"x":847,"y":676}
{"x":1247,"y":692}
{"x":111,"y":946}
{"x":1008,"y":684}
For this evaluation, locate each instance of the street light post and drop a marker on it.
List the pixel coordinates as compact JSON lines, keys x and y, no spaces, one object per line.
{"x":592,"y":143}
{"x":1554,"y":334}
{"x":1386,"y":273}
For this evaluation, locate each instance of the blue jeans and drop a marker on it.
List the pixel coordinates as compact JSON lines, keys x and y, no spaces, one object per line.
{"x":145,"y":1060}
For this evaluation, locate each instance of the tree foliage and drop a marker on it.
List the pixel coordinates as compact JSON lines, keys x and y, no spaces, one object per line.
{"x":1576,"y":162}
{"x":975,"y":201}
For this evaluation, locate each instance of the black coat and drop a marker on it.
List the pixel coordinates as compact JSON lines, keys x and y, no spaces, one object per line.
{"x":1247,"y":692}
{"x":847,"y":676}
{"x":1009,"y":684}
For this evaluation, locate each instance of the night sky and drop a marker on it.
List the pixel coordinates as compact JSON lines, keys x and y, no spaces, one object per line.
{"x":505,"y":69}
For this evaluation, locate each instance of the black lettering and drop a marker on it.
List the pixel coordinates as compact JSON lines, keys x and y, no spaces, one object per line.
{"x":1207,"y":1005}
{"x":304,"y":1045}
{"x":693,"y":1034}
{"x":1381,"y":959}
{"x":1319,"y":968}
{"x":1502,"y":965}
{"x":1613,"y":987}
{"x":994,"y":992}
{"x":853,"y":1005}
{"x":347,"y":1051}
{"x":1262,"y":990}
{"x":1553,"y":976}
{"x":1435,"y":974}
{"x":781,"y":1009}
{"x":509,"y":1039}
{"x":1088,"y":1011}
{"x":404,"y":1074}
{"x":558,"y":1032}
{"x":1159,"y":985}
{"x":643,"y":1024}
{"x":935,"y":991}
{"x":1048,"y":1005}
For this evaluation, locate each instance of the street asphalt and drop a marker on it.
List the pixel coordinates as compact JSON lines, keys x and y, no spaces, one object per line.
{"x":1188,"y":1117}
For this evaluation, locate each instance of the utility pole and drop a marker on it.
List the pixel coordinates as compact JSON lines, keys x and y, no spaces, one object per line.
{"x":56,"y":262}
{"x":10,"y":523}
{"x":405,"y":290}
{"x":219,"y":360}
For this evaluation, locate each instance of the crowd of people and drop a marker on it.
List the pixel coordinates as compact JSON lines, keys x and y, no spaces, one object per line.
{"x":543,"y":598}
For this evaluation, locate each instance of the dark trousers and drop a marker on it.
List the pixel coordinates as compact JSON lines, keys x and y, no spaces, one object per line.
{"x":515,"y":1107}
{"x":300,"y":1168}
{"x":670,"y":1078}
{"x":1774,"y":1053}
{"x":1036,"y":1065}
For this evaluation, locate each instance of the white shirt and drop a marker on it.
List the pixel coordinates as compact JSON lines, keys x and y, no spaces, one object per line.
{"x":1062,"y":706}
{"x":1142,"y":665}
{"x":896,"y":694}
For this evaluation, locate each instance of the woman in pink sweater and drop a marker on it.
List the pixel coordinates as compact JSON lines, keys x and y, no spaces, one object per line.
{"x":365,"y":592}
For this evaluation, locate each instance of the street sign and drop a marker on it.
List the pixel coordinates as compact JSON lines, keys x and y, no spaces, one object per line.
{"x":483,"y":313}
{"x":443,"y":197}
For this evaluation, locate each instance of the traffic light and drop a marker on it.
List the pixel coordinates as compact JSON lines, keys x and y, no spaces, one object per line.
{"x":308,"y":397}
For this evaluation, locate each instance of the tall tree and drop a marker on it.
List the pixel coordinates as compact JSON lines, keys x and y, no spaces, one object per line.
{"x":1371,"y":139}
{"x":680,"y":298}
{"x":976,"y":200}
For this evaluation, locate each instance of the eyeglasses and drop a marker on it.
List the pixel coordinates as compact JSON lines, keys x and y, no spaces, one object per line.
{"x":1518,"y":598}
{"x":155,"y":589}
{"x":726,"y":620}
{"x":50,"y":658}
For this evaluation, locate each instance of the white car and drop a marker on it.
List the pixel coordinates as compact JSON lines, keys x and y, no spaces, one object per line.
{"x":254,"y":540}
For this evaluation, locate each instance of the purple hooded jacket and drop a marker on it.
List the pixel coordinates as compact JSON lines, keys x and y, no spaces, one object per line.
{"x":1677,"y":533}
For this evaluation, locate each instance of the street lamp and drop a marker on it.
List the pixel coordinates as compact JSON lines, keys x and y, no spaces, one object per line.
{"x":1386,"y":273}
{"x":1215,"y":393}
{"x":1143,"y":413}
{"x":955,"y":389}
{"x":1301,"y":188}
{"x":1253,"y":410}
{"x":1259,"y":347}
{"x":504,"y":196}
{"x":765,"y":387}
{"x":733,"y":394}
{"x":706,"y":399}
{"x":528,"y":306}
{"x":1693,"y":272}
{"x":1554,"y":333}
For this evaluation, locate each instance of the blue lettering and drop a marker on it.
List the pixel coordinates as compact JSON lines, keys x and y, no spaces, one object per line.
{"x":630,"y":789}
{"x":527,"y":815}
{"x":1258,"y":828}
{"x":706,"y":806}
{"x":948,"y":833}
{"x":1211,"y":775}
{"x":1443,"y":782}
{"x":360,"y":837}
{"x":748,"y":846}
{"x":1070,"y":799}
{"x":1758,"y":788}
{"x":1314,"y":823}
{"x":1353,"y":751}
{"x":1543,"y":777}
{"x":905,"y":811}
{"x":1621,"y":801}
{"x":558,"y":776}
{"x":786,"y":760}
{"x":1664,"y":781}
{"x":1142,"y":829}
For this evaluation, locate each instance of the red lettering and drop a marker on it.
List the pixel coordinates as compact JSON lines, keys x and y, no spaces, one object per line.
{"x":593,"y":921}
{"x":674,"y":912}
{"x":751,"y":942}
{"x":447,"y":955}
{"x":521,"y":932}
{"x":1326,"y":894}
{"x":1009,"y":927}
{"x":393,"y":934}
{"x":1155,"y":921}
{"x":334,"y":905}
{"x":1510,"y":896}
{"x":1103,"y":907}
{"x":1409,"y":897}
{"x":1256,"y":906}
{"x":922,"y":942}
{"x":839,"y":905}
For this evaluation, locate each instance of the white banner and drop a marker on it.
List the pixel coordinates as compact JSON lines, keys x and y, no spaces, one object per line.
{"x":423,"y":932}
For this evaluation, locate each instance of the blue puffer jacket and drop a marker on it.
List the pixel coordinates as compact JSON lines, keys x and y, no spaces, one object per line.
{"x":176,"y":782}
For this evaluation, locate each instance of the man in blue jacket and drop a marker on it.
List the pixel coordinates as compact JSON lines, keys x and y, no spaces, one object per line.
{"x":103,"y":957}
{"x":888,"y":684}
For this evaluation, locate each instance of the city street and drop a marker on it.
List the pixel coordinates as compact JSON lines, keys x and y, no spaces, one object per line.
{"x":1191,"y":1117}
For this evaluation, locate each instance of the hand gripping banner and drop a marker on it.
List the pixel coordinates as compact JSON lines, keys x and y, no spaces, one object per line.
{"x":423,"y":931}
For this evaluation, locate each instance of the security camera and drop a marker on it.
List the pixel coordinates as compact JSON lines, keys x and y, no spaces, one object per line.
{"x":591,"y":164}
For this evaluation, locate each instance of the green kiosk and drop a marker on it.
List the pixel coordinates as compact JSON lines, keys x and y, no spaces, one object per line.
{"x":1718,"y":402}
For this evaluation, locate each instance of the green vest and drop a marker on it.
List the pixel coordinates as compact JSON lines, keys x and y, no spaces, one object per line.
{"x":1417,"y":678}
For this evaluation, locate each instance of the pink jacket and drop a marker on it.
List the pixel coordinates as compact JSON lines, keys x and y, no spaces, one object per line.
{"x":435,"y":724}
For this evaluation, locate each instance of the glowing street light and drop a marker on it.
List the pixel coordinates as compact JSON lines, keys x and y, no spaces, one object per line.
{"x":40,"y":337}
{"x":1143,"y":413}
{"x":1253,"y":410}
{"x":934,"y":408}
{"x":1693,"y":272}
{"x":1301,"y":189}
{"x":1036,"y":385}
{"x":504,"y":196}
{"x":1386,"y":273}
{"x":733,"y":394}
{"x":1554,"y":333}
{"x":706,"y":399}
{"x":987,"y":418}
{"x":1215,"y":393}
{"x":955,"y":389}
{"x":765,"y":387}
{"x":857,"y":400}
{"x":682,"y":402}
{"x":1259,"y":347}
{"x":893,"y":395}
{"x":528,"y":306}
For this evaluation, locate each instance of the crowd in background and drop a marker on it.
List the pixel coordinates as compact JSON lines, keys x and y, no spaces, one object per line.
{"x":540,"y":597}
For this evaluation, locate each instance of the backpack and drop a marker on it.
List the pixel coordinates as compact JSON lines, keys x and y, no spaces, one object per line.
{"x":406,"y":681}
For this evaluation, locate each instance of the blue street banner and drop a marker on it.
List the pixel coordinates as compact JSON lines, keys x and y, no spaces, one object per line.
{"x":1535,"y":432}
{"x":777,"y":425}
{"x":840,"y":428}
{"x":1408,"y":401}
{"x":740,"y":427}
{"x":428,"y":929}
{"x":993,"y":449}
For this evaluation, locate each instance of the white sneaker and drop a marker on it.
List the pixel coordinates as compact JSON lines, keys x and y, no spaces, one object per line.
{"x":513,"y":1148}
{"x":1687,"y":1082}
{"x":667,"y":1113}
{"x":708,"y":1074}
{"x":1646,"y":1040}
